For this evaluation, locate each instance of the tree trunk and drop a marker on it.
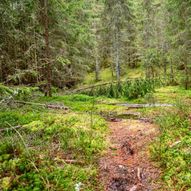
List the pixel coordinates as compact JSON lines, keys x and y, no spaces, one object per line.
{"x":117,"y":49}
{"x":171,"y":72}
{"x":47,"y":49}
{"x":97,"y":70}
{"x":165,"y":68}
{"x":186,"y":77}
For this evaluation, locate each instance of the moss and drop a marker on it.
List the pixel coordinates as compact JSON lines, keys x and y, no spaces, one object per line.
{"x":35,"y":126}
{"x":51,"y":138}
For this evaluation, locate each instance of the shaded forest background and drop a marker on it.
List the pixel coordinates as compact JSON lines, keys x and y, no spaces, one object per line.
{"x":57,"y":43}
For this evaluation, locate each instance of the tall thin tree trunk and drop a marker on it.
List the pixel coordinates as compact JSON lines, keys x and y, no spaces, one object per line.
{"x":97,"y":69}
{"x":112,"y":70}
{"x":165,"y":69}
{"x":97,"y":63}
{"x":171,"y":72}
{"x":117,"y":49}
{"x":47,"y":49}
{"x":186,"y":77}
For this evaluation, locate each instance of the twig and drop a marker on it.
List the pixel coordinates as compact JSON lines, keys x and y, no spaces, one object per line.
{"x":139,"y":174}
{"x":176,"y":143}
{"x":73,"y":162}
{"x":134,"y":188}
{"x":12,"y":128}
{"x":68,"y":161}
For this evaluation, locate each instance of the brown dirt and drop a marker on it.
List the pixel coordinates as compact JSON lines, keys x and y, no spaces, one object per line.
{"x":127,"y":166}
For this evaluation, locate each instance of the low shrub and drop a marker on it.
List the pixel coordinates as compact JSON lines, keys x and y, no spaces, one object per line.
{"x":130,"y":89}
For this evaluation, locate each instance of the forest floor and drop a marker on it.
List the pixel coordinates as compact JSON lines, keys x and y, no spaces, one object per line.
{"x":97,"y":144}
{"x":127,"y":165}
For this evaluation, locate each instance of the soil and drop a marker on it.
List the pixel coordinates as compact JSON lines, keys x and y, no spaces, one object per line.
{"x":127,"y":165}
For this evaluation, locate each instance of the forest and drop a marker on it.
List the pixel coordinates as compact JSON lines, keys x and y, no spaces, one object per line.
{"x":95,"y":95}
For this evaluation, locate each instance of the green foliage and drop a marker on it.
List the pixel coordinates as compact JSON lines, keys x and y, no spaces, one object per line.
{"x":151,"y":61}
{"x":5,"y":91}
{"x":35,"y":158}
{"x":17,"y":118}
{"x":76,"y":102}
{"x":17,"y":93}
{"x":22,"y":50}
{"x":24,"y":93}
{"x":172,"y":148}
{"x":131,"y":89}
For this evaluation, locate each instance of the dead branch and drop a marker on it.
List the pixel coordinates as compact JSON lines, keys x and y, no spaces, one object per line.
{"x":136,"y":106}
{"x":69,"y":161}
{"x":11,"y":128}
{"x":73,"y":162}
{"x":49,"y":106}
{"x":174,"y":144}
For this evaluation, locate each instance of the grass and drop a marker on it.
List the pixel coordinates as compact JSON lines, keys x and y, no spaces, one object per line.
{"x":34,"y":156}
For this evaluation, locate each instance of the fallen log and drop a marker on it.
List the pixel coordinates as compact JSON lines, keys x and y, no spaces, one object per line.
{"x":99,"y":85}
{"x":149,"y":105}
{"x":49,"y":106}
{"x":89,"y":87}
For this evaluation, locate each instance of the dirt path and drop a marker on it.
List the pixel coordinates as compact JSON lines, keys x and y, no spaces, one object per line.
{"x":126,"y":166}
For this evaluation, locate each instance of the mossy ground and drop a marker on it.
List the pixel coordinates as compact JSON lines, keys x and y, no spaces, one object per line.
{"x":34,"y":157}
{"x":171,"y":150}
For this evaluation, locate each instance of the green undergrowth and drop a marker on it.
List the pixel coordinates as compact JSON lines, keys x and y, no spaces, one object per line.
{"x":59,"y":150}
{"x":129,"y":89}
{"x":51,"y":150}
{"x":170,"y":94}
{"x":17,"y":92}
{"x":84,"y":103}
{"x":172,"y":149}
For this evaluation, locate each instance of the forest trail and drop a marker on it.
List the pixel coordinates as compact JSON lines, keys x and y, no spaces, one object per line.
{"x":126,"y":165}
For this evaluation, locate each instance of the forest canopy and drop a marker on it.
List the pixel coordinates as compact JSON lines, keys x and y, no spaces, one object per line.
{"x":56,"y":42}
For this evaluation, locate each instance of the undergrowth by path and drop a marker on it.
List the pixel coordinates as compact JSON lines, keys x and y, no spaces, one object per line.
{"x":172,"y":150}
{"x":51,"y":151}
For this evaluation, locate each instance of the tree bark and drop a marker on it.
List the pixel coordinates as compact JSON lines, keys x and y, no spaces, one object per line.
{"x":117,"y":49}
{"x":186,"y":77}
{"x":48,"y":71}
{"x":171,"y":72}
{"x":97,"y":69}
